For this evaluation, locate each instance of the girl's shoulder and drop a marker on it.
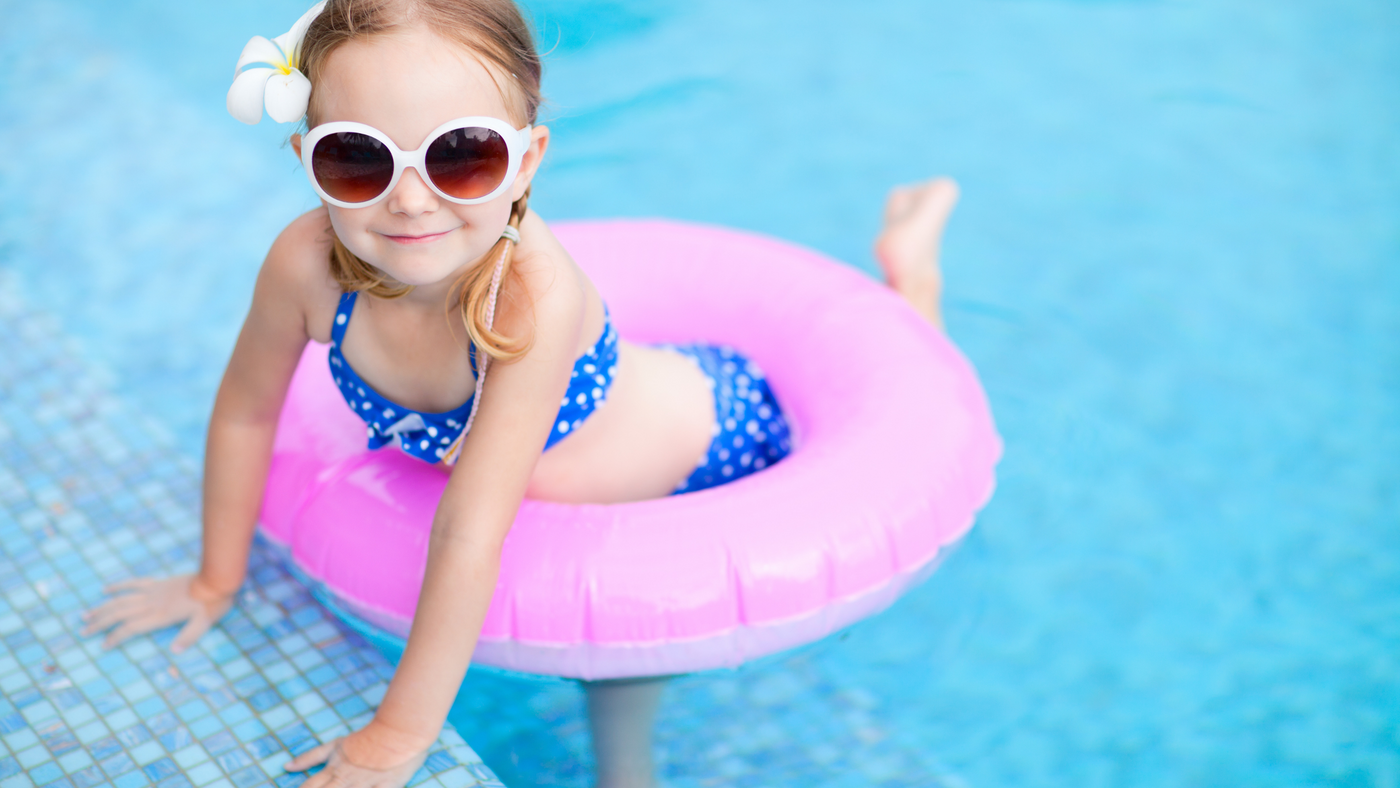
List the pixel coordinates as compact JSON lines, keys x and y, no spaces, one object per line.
{"x":296,"y":272}
{"x":553,"y":281}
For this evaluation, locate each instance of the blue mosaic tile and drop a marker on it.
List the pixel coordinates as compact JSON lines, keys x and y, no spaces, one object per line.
{"x":351,"y":707}
{"x":204,"y":773}
{"x":322,"y":720}
{"x":107,"y":748}
{"x":294,"y":735}
{"x":176,"y":739}
{"x":336,"y":691}
{"x":220,"y":742}
{"x":157,"y":723}
{"x":262,"y":748}
{"x":439,"y":761}
{"x":235,"y":714}
{"x":46,"y":773}
{"x":134,"y":736}
{"x":8,"y":766}
{"x":206,"y":727}
{"x":67,"y":699}
{"x":250,"y":730}
{"x":160,"y":770}
{"x":118,"y":764}
{"x":233,"y":760}
{"x":11,"y":723}
{"x":58,"y":739}
{"x":192,"y":710}
{"x":219,"y":699}
{"x":264,"y":700}
{"x":74,"y":761}
{"x":248,"y":777}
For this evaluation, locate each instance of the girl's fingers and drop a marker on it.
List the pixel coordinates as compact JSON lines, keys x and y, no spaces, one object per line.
{"x":126,"y":630}
{"x":317,"y":780}
{"x":111,"y":606}
{"x":335,"y":775}
{"x":311,"y":757}
{"x":190,"y":633}
{"x":111,"y":613}
{"x":129,"y":584}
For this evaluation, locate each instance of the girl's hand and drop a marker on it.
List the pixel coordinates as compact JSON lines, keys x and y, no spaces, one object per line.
{"x":372,"y":757}
{"x":147,"y":604}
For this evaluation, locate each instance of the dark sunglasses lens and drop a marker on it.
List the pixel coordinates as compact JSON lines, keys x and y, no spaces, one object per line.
{"x":468,"y":163}
{"x":352,"y":167}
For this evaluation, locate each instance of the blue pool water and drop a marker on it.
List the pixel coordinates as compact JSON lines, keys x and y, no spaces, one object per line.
{"x":1174,"y":267}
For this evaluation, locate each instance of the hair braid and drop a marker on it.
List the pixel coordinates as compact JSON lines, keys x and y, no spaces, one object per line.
{"x":474,"y":289}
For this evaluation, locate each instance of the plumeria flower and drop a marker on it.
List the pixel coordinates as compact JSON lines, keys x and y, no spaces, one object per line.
{"x":278,"y":82}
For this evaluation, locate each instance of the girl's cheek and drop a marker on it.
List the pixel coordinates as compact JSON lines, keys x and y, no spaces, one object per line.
{"x":350,"y":229}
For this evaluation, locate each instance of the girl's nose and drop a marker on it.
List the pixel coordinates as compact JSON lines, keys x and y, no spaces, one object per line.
{"x":411,"y":196}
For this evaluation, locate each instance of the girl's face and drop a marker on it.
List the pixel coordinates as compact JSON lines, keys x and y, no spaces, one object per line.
{"x":406,"y":84}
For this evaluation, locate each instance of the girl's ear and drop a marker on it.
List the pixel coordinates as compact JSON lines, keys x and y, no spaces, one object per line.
{"x":296,"y":145}
{"x":539,"y":142}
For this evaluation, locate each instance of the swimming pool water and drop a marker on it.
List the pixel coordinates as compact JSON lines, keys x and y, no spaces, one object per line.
{"x":1174,"y":266}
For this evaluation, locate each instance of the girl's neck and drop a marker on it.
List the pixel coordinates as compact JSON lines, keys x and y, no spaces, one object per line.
{"x":435,"y":294}
{"x":430,"y":296}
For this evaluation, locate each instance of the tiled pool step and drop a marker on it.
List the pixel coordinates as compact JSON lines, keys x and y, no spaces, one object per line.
{"x":91,"y":493}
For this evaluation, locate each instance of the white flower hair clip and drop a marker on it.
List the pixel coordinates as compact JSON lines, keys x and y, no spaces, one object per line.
{"x":278,"y":82}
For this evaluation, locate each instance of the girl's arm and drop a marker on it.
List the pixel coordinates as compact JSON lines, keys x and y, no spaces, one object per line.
{"x":237,"y":454}
{"x":246,"y":409}
{"x":476,"y":512}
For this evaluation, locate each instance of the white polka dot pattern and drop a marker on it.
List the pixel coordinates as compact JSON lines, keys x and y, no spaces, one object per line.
{"x":750,"y":431}
{"x":427,"y":435}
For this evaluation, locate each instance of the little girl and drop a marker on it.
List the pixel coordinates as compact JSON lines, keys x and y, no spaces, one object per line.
{"x":422,"y":144}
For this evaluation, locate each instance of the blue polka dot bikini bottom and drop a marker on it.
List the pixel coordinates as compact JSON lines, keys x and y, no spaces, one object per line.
{"x":750,"y":431}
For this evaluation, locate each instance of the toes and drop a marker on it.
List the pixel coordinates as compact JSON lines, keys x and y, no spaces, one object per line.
{"x":948,"y":189}
{"x":898,"y":203}
{"x":931,"y":200}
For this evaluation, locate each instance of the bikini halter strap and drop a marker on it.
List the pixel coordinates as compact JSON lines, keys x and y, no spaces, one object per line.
{"x":513,"y":236}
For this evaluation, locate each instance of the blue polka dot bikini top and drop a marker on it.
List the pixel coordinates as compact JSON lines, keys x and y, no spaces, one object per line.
{"x":433,"y":436}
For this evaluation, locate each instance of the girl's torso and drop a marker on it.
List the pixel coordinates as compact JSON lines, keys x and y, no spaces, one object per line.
{"x":436,"y":435}
{"x":655,"y":425}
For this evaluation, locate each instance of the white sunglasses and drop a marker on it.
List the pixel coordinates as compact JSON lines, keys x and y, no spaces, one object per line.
{"x":466,"y":161}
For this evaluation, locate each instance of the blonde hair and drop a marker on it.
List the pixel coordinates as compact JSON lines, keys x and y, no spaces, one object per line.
{"x":493,"y":29}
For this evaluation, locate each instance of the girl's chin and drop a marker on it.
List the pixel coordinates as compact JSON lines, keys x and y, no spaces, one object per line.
{"x":420,"y":272}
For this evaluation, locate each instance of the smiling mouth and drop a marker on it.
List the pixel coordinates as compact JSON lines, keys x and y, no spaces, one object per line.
{"x":416,"y":239}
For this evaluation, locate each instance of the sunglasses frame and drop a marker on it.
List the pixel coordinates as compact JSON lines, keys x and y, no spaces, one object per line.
{"x":517,"y":142}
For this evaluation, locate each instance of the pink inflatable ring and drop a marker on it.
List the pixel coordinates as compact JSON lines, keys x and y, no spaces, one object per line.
{"x":894,"y":455}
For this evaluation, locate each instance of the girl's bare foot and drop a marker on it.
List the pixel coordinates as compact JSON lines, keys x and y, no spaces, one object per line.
{"x":907,"y":248}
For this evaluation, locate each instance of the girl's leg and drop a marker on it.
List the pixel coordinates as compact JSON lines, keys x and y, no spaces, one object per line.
{"x":909,"y":242}
{"x":621,"y":715}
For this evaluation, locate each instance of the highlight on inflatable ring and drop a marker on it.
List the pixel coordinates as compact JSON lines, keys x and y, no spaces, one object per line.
{"x":894,"y":454}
